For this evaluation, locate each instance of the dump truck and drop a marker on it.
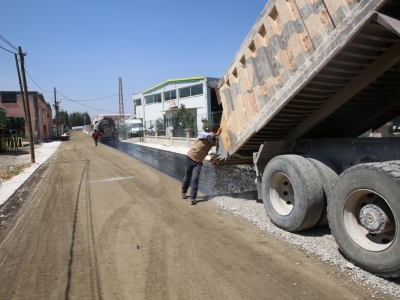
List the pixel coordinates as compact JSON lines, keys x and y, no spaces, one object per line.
{"x":309,"y":80}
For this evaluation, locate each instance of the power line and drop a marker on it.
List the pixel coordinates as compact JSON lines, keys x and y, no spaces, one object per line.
{"x":93,"y":107}
{"x":75,"y":101}
{"x":87,"y":99}
{"x":7,"y":50}
{"x":35,"y":81}
{"x":53,"y":98}
{"x":69,"y":99}
{"x":5,"y":40}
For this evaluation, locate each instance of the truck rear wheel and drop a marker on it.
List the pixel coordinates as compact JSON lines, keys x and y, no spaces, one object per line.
{"x":292,"y":193}
{"x":364,"y":216}
{"x":328,"y":179}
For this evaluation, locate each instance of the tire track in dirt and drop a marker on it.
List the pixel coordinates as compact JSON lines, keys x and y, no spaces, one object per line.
{"x":84,"y":189}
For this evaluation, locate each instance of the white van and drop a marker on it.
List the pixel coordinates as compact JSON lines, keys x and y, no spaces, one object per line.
{"x":135,"y":127}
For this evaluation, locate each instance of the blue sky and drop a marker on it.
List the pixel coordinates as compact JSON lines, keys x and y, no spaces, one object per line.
{"x":82,"y":48}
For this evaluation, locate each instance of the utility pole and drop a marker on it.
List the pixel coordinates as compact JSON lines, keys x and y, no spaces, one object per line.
{"x":56,"y":110}
{"x":28,"y":115}
{"x":122,"y":129}
{"x":84,"y":121}
{"x":121,"y":103}
{"x":21,"y":88}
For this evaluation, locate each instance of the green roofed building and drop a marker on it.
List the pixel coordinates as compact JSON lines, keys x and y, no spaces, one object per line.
{"x":159,"y":102}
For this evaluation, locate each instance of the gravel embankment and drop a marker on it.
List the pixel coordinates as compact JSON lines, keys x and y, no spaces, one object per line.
{"x":317,"y":241}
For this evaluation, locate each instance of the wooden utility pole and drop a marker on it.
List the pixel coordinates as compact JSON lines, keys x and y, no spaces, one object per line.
{"x":121,"y":104}
{"x":28,"y":111}
{"x":121,"y":128}
{"x":21,"y":89}
{"x":56,"y":110}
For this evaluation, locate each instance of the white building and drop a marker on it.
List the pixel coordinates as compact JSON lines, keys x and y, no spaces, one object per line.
{"x":160,"y":101}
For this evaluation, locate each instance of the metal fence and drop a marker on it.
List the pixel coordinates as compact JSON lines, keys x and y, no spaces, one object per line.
{"x":128,"y":130}
{"x":163,"y":125}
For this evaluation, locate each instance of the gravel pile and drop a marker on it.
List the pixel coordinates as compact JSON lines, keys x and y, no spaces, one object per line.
{"x":316,"y":241}
{"x":234,"y":179}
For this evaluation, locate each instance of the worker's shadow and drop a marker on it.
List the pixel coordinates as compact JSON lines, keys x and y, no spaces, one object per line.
{"x":203,"y":199}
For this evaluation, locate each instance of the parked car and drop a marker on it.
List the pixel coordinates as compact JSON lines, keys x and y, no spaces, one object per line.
{"x":152,"y":130}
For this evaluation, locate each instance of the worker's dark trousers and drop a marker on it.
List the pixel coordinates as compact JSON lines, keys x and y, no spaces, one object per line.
{"x":192,"y":174}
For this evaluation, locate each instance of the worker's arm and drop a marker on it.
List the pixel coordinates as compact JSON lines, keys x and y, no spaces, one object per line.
{"x":218,"y":132}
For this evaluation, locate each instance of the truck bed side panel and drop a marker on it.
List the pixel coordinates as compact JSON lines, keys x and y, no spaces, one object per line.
{"x":291,"y":44}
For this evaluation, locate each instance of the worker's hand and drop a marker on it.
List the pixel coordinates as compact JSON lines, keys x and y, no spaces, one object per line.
{"x":214,"y":159}
{"x":218,"y":131}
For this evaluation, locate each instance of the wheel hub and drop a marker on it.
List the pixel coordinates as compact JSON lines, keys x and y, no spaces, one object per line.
{"x":369,"y":220}
{"x":373,"y":218}
{"x":282,"y":194}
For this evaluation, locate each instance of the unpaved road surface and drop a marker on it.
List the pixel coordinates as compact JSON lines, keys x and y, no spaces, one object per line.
{"x":95,"y":223}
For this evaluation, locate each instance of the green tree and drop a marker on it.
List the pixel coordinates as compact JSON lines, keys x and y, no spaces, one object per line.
{"x":79,"y":119}
{"x":206,"y":124}
{"x":160,"y":125}
{"x":183,"y":117}
{"x":87,"y":119}
{"x":63,"y":117}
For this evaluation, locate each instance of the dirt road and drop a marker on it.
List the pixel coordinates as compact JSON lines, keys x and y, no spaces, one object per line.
{"x":95,"y":223}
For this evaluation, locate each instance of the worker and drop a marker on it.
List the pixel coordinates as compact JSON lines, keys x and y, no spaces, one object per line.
{"x":194,"y":161}
{"x":95,"y":136}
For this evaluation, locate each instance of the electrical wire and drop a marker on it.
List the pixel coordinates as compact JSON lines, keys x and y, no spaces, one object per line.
{"x":34,"y":80}
{"x":5,"y":40}
{"x":75,"y":101}
{"x":66,"y":98}
{"x":52,"y":97}
{"x":7,"y":50}
{"x":92,"y":107}
{"x":88,"y":99}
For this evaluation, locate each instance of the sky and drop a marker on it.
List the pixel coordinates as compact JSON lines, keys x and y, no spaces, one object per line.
{"x":82,"y":48}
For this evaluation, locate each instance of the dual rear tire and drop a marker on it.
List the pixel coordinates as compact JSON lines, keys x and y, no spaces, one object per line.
{"x":364,"y":216}
{"x":363,"y":206}
{"x":292,"y":193}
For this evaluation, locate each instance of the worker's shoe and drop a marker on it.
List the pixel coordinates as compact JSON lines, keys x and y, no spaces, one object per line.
{"x":193,"y":201}
{"x":184,"y":196}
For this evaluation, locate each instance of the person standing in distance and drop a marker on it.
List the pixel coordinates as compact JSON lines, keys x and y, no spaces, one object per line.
{"x":194,"y":161}
{"x":95,"y":136}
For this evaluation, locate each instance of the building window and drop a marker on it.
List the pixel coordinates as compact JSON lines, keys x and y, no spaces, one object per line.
{"x":170,"y":95}
{"x":149,"y":99}
{"x":137,"y":102}
{"x":8,"y":98}
{"x":191,"y":91}
{"x":156,"y":98}
{"x":185,"y":92}
{"x":196,"y":90}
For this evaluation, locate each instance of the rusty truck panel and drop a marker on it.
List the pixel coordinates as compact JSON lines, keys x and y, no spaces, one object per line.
{"x":311,"y":69}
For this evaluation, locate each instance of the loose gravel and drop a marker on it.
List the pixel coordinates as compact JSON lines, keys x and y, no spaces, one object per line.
{"x":316,"y":241}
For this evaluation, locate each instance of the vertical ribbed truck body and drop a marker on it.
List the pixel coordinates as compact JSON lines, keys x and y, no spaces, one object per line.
{"x":311,"y":77}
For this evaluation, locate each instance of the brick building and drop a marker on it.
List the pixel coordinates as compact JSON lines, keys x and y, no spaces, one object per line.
{"x":40,"y":112}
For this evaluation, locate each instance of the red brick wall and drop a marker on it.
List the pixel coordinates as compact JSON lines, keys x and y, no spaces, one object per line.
{"x":40,"y":117}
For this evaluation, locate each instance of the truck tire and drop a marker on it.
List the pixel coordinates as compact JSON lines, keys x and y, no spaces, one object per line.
{"x":328,"y":178}
{"x":292,"y":193}
{"x":364,"y":216}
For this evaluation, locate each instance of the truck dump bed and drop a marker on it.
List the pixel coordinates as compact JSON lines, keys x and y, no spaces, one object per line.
{"x":311,"y":69}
